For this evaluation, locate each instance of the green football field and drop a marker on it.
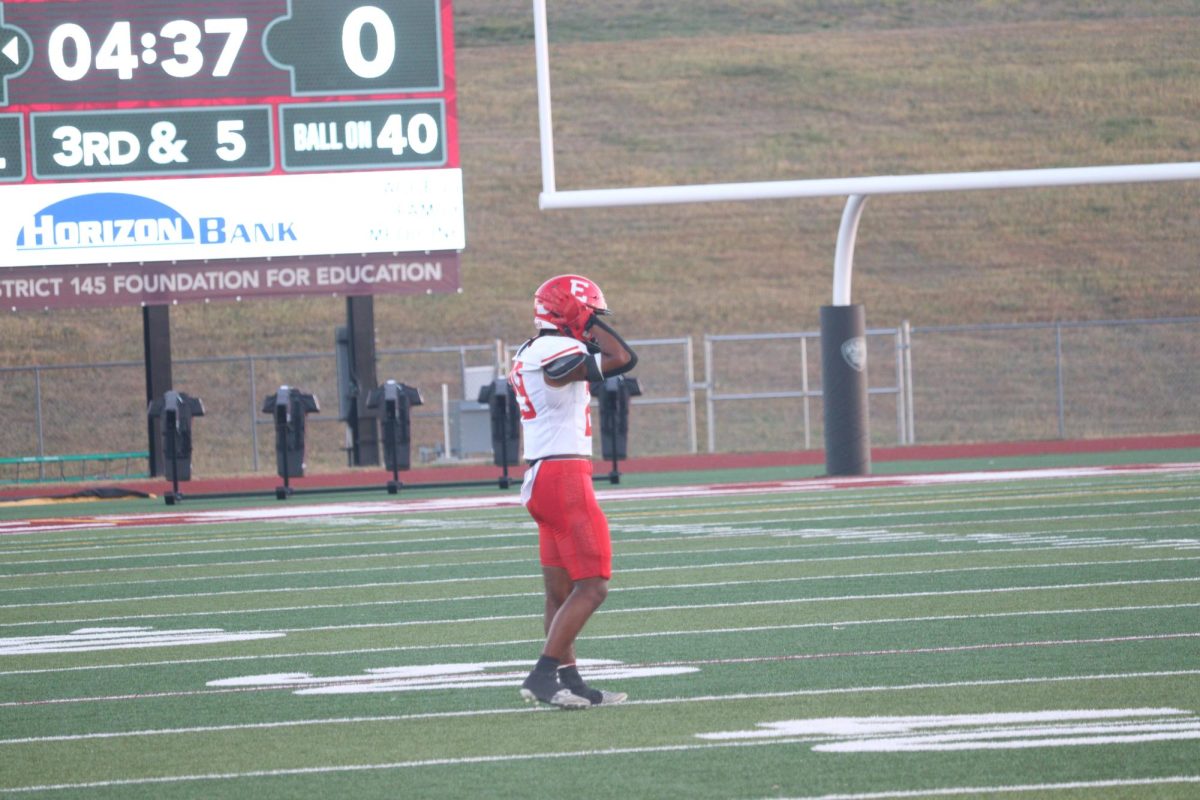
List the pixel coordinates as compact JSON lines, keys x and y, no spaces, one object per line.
{"x":1033,"y":634}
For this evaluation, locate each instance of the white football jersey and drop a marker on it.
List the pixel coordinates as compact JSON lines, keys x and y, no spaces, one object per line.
{"x":555,"y":421}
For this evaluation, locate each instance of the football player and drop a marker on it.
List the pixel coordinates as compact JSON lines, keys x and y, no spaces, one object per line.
{"x":550,"y":378}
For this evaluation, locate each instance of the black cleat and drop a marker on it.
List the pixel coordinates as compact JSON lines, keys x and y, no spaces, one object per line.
{"x":545,"y":688}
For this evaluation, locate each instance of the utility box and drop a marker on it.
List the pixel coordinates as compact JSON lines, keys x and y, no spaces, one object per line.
{"x":471,"y":432}
{"x":288,"y":407}
{"x":475,"y":378}
{"x":175,"y":410}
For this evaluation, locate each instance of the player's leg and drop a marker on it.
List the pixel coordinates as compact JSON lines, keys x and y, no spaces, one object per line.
{"x":587,"y":552}
{"x":558,"y":585}
{"x":586,"y":596}
{"x":543,"y":683}
{"x":576,"y":557}
{"x":582,"y":546}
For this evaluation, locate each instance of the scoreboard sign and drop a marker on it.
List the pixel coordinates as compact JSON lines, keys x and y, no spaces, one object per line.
{"x":157,"y":151}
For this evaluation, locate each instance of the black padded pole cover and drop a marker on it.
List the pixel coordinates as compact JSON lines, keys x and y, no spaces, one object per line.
{"x":156,"y":350}
{"x":364,"y":430}
{"x":844,"y":386}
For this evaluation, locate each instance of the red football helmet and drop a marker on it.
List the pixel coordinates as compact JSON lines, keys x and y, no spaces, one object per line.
{"x":583,"y":288}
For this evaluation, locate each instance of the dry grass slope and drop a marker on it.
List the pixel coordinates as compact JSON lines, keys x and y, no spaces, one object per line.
{"x":654,"y":93}
{"x":651,"y":92}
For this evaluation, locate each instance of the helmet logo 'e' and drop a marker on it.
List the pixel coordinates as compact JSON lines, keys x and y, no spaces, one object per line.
{"x":584,"y":290}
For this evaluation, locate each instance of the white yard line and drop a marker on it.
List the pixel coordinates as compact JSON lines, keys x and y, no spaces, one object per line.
{"x":1056,"y":546}
{"x":680,"y":663}
{"x":1060,"y":539}
{"x":736,"y":697}
{"x":18,"y":527}
{"x":724,"y":565}
{"x":844,"y":537}
{"x":852,"y":536}
{"x":577,"y":754}
{"x":844,"y":508}
{"x":608,"y":611}
{"x":894,"y":621}
{"x":976,"y":791}
{"x":812,"y":528}
{"x":1188,"y":506}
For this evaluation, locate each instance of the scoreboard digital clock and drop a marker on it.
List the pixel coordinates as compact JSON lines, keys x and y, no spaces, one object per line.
{"x":159,"y":131}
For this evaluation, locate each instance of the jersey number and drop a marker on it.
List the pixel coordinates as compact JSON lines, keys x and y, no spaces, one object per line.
{"x":523,"y":402}
{"x":517,"y":381}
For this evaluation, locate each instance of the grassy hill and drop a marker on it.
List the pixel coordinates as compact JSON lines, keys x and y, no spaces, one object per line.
{"x":657,"y":92}
{"x":654,"y":92}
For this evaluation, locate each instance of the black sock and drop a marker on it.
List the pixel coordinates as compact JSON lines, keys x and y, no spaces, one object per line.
{"x":546,"y":664}
{"x":569,"y":677}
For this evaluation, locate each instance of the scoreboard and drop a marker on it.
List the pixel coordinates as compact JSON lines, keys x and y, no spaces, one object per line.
{"x":188,"y":150}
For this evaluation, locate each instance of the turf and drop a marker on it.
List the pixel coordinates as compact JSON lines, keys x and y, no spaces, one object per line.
{"x":805,"y":641}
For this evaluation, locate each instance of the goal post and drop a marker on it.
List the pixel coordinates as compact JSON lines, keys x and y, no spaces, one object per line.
{"x":847,"y":447}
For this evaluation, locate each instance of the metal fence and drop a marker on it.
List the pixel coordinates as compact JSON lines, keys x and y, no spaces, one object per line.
{"x":1065,"y":380}
{"x":666,"y":416}
{"x":760,"y":392}
{"x":52,"y":410}
{"x":761,"y":376}
{"x":963,"y":383}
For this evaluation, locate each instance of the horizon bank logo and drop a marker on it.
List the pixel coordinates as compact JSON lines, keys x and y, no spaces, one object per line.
{"x":105,"y":219}
{"x":113,"y":219}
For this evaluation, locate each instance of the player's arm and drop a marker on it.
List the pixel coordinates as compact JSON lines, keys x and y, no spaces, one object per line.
{"x":613,"y":356}
{"x":616,"y":356}
{"x":608,"y":354}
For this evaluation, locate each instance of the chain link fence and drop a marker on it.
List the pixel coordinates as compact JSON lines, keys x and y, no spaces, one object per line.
{"x":760,"y":392}
{"x":1056,"y":380}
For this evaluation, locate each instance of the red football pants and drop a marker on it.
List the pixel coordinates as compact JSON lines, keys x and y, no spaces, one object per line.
{"x":572,"y":530}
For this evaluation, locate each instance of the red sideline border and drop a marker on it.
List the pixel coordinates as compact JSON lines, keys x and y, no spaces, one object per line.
{"x":485,"y":472}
